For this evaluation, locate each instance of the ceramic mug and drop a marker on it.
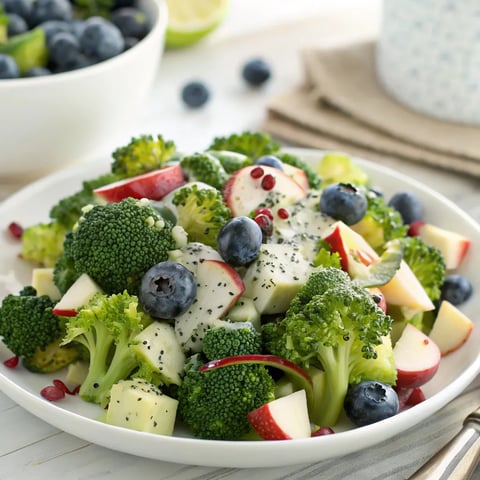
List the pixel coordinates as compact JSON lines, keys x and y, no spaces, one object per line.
{"x":428,"y":56}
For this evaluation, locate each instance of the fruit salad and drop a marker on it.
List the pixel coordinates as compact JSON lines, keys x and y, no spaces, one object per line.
{"x":239,"y":291}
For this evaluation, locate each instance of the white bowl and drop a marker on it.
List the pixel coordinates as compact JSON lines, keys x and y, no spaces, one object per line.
{"x":50,"y":122}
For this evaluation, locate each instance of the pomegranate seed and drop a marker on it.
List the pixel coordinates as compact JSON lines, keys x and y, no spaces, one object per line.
{"x":256,"y":172}
{"x":264,"y":211}
{"x":52,"y":393}
{"x":265,"y":223}
{"x":11,"y":362}
{"x":322,"y":431}
{"x":283,"y":213}
{"x":15,"y":229}
{"x":59,"y":384}
{"x":268,"y":182}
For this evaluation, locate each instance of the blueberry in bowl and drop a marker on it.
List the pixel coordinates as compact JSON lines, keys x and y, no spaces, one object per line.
{"x":79,"y":80}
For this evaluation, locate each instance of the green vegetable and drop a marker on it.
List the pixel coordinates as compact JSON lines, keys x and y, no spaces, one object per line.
{"x":28,"y":49}
{"x":231,"y":161}
{"x":201,"y":212}
{"x":106,"y":327}
{"x":313,"y":178}
{"x":43,"y":243}
{"x":326,"y":258}
{"x":337,"y":167}
{"x":215,"y":403}
{"x":334,"y":324}
{"x":27,"y":322}
{"x":203,"y":167}
{"x":143,"y":154}
{"x":381,"y":223}
{"x":64,"y":273}
{"x":52,"y":358}
{"x":69,"y":209}
{"x":116,"y":243}
{"x":251,"y":144}
{"x":89,"y":8}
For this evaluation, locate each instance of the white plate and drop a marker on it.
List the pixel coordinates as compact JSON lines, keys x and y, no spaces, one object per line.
{"x":74,"y":416}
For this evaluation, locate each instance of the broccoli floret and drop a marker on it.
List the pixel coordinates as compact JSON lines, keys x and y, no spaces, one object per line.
{"x":251,"y":144}
{"x":203,"y":167}
{"x":43,"y":243}
{"x":69,"y":209}
{"x":335,"y":324}
{"x":215,"y":403}
{"x":238,"y":338}
{"x":312,"y":176}
{"x":143,"y":154}
{"x":427,"y":263}
{"x":106,"y":326}
{"x":381,"y":222}
{"x":64,"y":273}
{"x":52,"y":358}
{"x":116,"y":243}
{"x":201,"y":212}
{"x":327,"y":258}
{"x":27,"y":322}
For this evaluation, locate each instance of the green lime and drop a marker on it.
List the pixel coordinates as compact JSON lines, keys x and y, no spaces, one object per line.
{"x":190,"y":20}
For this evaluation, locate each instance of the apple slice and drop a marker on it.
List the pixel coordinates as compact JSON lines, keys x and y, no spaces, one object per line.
{"x":255,"y":186}
{"x":298,"y":175}
{"x":219,"y":286}
{"x":453,"y":246}
{"x":76,"y":296}
{"x":42,"y":282}
{"x":357,"y":255}
{"x":153,"y":185}
{"x":416,"y":356}
{"x":451,"y":328}
{"x":285,"y":418}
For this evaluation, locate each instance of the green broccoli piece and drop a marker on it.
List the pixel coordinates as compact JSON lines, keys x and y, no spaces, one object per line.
{"x":333,"y":323}
{"x":106,"y":327}
{"x":116,"y":243}
{"x":64,"y":273}
{"x":43,"y":243}
{"x":203,"y":167}
{"x":201,"y":212}
{"x":27,"y":322}
{"x":327,"y":258}
{"x":143,"y":154}
{"x":251,"y":144}
{"x":215,"y":403}
{"x":69,"y":209}
{"x":381,"y":222}
{"x":337,"y":167}
{"x":427,"y":263}
{"x":313,"y":178}
{"x":231,"y":161}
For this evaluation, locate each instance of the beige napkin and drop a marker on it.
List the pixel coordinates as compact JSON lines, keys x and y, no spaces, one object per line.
{"x":342,"y":106}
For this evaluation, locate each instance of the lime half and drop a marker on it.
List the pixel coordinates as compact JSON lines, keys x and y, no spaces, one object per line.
{"x":191,"y":20}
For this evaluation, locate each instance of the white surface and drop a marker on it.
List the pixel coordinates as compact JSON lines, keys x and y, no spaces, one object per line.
{"x":33,"y":449}
{"x":78,"y":418}
{"x":49,"y":122}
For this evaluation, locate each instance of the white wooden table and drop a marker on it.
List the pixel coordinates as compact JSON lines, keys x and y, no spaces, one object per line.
{"x":32,"y":449}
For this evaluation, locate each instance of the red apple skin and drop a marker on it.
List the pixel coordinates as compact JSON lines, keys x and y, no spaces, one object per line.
{"x":417,"y":358}
{"x":265,"y":425}
{"x":415,"y":227}
{"x":64,"y":312}
{"x":153,"y":185}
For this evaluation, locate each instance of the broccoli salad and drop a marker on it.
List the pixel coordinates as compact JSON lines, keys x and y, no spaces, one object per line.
{"x":238,"y":291}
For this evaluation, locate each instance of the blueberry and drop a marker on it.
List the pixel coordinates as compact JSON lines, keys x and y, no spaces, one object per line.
{"x":101,"y":39}
{"x":456,"y":289}
{"x":16,"y":25}
{"x":76,"y":27}
{"x":369,"y":402}
{"x":64,"y":50}
{"x":132,"y":22}
{"x":23,"y":8}
{"x":195,"y":94}
{"x":130,"y":42}
{"x":37,"y":72}
{"x":52,"y":27}
{"x":408,"y":205}
{"x":256,"y":72}
{"x":8,"y":67}
{"x":239,"y":241}
{"x":167,"y":290}
{"x":270,"y":161}
{"x":343,"y":201}
{"x":44,"y":10}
